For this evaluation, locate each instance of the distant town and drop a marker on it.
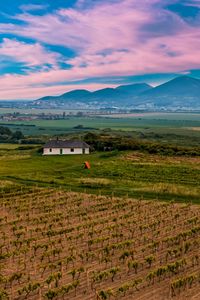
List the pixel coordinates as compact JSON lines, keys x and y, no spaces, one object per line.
{"x":178,"y":95}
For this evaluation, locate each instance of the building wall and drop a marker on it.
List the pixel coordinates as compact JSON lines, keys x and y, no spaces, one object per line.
{"x":57,"y":151}
{"x":87,"y":151}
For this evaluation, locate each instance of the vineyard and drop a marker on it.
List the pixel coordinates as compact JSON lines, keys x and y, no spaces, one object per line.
{"x":66,"y":245}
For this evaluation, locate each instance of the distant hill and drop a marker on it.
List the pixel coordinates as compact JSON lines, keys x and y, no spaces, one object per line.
{"x":183,"y":91}
{"x":76,"y":95}
{"x":122,"y":93}
{"x":134,"y":89}
{"x":115,"y":95}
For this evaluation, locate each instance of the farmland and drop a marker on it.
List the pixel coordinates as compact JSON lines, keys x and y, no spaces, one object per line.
{"x":128,"y":228}
{"x":140,"y":175}
{"x":164,"y":127}
{"x":66,"y":245}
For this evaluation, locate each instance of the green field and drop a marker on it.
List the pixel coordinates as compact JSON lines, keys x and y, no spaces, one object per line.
{"x":180,"y":128}
{"x":120,"y":173}
{"x":138,"y":174}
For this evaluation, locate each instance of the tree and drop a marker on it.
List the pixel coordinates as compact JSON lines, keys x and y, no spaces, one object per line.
{"x":5,"y":131}
{"x":17,"y":135}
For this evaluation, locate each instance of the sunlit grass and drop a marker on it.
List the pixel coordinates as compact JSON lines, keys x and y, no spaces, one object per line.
{"x":137,"y":174}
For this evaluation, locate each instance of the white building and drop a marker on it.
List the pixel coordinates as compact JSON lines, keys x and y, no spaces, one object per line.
{"x":61,"y":147}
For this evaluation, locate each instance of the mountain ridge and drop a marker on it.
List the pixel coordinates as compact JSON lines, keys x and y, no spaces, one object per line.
{"x":179,"y":83}
{"x":136,"y":89}
{"x":180,"y":91}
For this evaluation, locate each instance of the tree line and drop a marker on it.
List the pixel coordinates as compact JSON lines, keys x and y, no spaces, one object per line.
{"x":105,"y":142}
{"x":6,"y":135}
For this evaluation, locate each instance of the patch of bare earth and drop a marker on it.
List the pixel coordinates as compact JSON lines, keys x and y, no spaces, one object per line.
{"x":64,"y":245}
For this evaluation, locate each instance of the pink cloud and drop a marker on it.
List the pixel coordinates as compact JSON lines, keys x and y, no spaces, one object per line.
{"x":30,"y":54}
{"x":120,"y":38}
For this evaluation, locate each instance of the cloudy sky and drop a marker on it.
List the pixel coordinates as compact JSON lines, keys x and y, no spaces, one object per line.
{"x":48,"y":47}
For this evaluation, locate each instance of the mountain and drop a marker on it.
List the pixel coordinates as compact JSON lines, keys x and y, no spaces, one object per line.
{"x":107,"y":94}
{"x":183,"y":90}
{"x":112,"y":95}
{"x":76,"y":95}
{"x":121,"y":93}
{"x":134,"y":89}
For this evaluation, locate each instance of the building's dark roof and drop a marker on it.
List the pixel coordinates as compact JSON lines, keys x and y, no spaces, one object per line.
{"x":66,"y":144}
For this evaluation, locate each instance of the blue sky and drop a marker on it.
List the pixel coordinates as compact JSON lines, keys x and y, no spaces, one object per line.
{"x":50,"y":47}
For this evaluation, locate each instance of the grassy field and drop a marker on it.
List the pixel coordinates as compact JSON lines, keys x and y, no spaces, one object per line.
{"x":164,"y":127}
{"x":138,"y":175}
{"x":122,"y":121}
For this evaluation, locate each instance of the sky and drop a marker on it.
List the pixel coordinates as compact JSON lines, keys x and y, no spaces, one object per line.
{"x":48,"y":47}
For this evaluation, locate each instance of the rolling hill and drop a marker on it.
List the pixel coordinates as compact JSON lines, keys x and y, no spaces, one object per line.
{"x":111,"y":95}
{"x":183,"y":91}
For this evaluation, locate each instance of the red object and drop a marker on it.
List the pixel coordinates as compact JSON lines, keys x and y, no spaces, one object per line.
{"x":87,"y":165}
